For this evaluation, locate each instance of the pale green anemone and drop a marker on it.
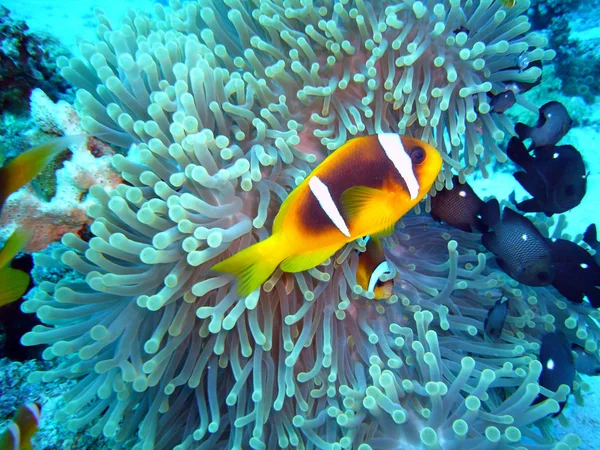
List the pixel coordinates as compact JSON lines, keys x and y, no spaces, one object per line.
{"x":224,"y":104}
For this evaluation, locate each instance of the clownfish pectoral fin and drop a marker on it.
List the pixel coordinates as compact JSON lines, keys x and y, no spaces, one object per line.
{"x":253,"y":265}
{"x":362,"y":203}
{"x":14,"y":284}
{"x":386,"y":232}
{"x":305,"y":261}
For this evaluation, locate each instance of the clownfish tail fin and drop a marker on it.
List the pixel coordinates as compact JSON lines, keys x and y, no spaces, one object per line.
{"x":253,"y":265}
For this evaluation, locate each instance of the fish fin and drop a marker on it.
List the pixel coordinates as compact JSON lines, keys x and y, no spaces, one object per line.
{"x":531,"y":205}
{"x":490,"y":213}
{"x":517,"y":152}
{"x":28,"y":164}
{"x":17,"y":241}
{"x":14,"y":284}
{"x":305,"y":261}
{"x":253,"y":265}
{"x":386,"y":232}
{"x":479,"y":226}
{"x":523,"y":131}
{"x":373,"y":204}
{"x":590,"y":236}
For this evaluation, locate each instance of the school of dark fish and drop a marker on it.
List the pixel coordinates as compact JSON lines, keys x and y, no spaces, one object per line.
{"x":555,"y":176}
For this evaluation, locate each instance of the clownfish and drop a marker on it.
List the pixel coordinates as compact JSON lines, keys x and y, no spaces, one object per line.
{"x":14,"y":282}
{"x":363,"y":188}
{"x":21,"y":429}
{"x":371,"y":266}
{"x":27,"y":165}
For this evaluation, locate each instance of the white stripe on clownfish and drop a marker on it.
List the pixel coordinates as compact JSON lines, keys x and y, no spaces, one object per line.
{"x":380,"y":270}
{"x":323,"y":196}
{"x":394,"y":150}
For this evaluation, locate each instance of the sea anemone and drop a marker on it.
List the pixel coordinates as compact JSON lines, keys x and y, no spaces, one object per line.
{"x":228,"y":106}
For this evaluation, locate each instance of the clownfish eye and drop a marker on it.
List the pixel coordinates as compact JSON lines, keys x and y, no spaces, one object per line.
{"x":417,"y":155}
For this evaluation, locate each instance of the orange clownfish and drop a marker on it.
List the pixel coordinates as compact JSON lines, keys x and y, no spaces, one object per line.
{"x":361,"y":189}
{"x":371,"y":266}
{"x":21,"y":429}
{"x":14,"y":282}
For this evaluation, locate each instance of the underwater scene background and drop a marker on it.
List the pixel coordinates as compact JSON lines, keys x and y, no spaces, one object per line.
{"x":145,"y":143}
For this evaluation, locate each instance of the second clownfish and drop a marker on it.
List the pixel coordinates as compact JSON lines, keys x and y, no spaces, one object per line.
{"x":363,"y":188}
{"x":372,"y":265}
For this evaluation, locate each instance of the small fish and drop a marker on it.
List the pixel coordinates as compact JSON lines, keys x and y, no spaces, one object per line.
{"x":508,"y":3}
{"x":555,"y":176}
{"x":13,"y":282}
{"x":494,"y":322}
{"x":21,"y":429}
{"x":371,"y":266}
{"x":585,"y":362}
{"x":459,"y":207}
{"x":461,"y":29}
{"x":553,"y":123}
{"x":577,"y":274}
{"x":520,"y":87}
{"x":502,"y":101}
{"x":557,"y":365}
{"x":590,"y":237}
{"x":27,"y":165}
{"x":361,"y":189}
{"x":520,"y":250}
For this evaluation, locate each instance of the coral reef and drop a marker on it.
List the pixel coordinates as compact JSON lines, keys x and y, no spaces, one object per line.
{"x":63,"y":208}
{"x":229,"y":105}
{"x":27,"y":61}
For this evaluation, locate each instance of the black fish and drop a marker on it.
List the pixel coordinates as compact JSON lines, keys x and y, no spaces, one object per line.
{"x":585,"y":362}
{"x":520,"y":250}
{"x":557,"y":365}
{"x":502,"y":101}
{"x":576,"y":273}
{"x":553,"y":123}
{"x":458,"y":207}
{"x":494,"y":322}
{"x":554,"y":176}
{"x":590,"y":237}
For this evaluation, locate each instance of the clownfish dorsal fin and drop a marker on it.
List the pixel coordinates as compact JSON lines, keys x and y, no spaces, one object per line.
{"x":362,"y":203}
{"x":305,"y":261}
